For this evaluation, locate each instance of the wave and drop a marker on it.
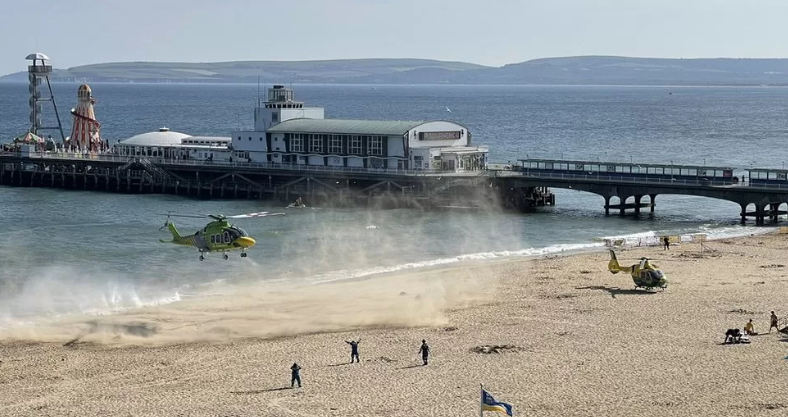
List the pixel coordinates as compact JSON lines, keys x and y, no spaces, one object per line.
{"x":717,"y":233}
{"x":481,"y":256}
{"x":649,"y":233}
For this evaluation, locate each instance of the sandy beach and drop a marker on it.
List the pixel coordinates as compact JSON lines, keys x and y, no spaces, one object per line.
{"x":583,"y":343}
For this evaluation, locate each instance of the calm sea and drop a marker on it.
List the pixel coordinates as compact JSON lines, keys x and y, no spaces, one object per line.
{"x":69,"y":252}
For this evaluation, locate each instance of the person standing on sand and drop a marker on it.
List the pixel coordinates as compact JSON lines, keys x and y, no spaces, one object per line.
{"x":295,"y":375}
{"x":425,"y":351}
{"x":666,"y":242}
{"x":353,"y":349}
{"x":773,"y":323}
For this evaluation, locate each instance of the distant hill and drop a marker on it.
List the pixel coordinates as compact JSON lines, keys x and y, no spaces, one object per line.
{"x":583,"y":70}
{"x":332,"y":71}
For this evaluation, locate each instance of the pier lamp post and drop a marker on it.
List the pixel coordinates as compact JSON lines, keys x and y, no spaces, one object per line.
{"x":783,"y":164}
{"x":671,"y":171}
{"x":630,"y":159}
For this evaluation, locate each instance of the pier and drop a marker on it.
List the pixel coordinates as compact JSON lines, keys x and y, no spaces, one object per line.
{"x":624,"y":187}
{"x":336,"y":186}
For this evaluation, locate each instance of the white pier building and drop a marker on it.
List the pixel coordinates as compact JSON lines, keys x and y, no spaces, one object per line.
{"x":287,"y":132}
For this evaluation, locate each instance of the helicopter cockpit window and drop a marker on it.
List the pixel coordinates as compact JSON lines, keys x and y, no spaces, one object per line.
{"x":242,"y":232}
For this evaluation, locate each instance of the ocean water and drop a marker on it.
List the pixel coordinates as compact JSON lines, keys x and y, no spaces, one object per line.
{"x":72,"y":252}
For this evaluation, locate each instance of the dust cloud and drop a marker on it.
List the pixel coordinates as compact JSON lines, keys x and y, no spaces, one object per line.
{"x":327,"y":271}
{"x":274,"y":311}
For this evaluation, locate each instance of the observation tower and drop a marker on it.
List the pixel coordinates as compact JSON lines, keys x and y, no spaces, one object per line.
{"x":39,"y":70}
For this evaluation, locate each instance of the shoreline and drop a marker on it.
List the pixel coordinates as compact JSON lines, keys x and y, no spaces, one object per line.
{"x":573,"y":340}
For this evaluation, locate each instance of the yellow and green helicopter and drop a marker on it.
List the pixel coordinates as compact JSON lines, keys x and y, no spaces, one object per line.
{"x":644,"y":273}
{"x":217,"y":236}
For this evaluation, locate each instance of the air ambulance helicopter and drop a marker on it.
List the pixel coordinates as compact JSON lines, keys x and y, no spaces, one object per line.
{"x":644,"y":274}
{"x":217,"y":236}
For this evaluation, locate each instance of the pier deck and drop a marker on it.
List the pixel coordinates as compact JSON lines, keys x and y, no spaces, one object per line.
{"x":518,"y":187}
{"x":342,"y":186}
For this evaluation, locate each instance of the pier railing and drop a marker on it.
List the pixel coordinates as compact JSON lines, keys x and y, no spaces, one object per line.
{"x":246,"y":165}
{"x":635,"y":180}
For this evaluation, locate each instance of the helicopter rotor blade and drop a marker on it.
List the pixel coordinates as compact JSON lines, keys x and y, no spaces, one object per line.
{"x":193,"y":216}
{"x":251,"y":215}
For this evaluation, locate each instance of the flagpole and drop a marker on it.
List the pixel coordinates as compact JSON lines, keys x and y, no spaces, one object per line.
{"x":481,"y":400}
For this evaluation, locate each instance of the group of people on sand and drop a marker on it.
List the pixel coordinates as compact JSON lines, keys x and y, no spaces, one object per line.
{"x":735,"y":336}
{"x":295,"y":369}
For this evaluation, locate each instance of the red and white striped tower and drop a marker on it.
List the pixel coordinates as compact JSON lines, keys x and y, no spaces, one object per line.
{"x":85,"y":130}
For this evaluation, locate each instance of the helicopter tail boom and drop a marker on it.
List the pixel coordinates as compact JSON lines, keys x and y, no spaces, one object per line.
{"x":613,"y":266}
{"x":176,"y":237}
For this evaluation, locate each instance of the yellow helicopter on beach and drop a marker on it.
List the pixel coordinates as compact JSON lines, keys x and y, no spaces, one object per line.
{"x":217,"y":236}
{"x":644,"y":273}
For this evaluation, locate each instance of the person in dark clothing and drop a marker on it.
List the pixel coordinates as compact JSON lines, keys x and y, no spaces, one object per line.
{"x":732,"y":336}
{"x":353,"y":349}
{"x":296,"y":377}
{"x":666,"y":242}
{"x":773,"y":322}
{"x":425,"y":351}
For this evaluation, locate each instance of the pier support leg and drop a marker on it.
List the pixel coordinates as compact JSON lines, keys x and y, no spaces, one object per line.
{"x":607,"y":206}
{"x":653,"y":201}
{"x":622,"y":210}
{"x":743,"y":213}
{"x":637,"y":204}
{"x":760,"y":215}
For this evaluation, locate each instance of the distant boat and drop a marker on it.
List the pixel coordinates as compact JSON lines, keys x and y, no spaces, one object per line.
{"x":448,"y":109}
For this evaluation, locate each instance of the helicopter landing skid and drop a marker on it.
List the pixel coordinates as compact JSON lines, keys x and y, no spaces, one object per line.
{"x":650,"y":288}
{"x":225,"y":256}
{"x":244,"y":254}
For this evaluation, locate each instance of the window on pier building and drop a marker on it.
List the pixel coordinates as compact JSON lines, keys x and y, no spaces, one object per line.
{"x":375,"y":145}
{"x":315,"y":144}
{"x":354,"y":145}
{"x":297,"y":142}
{"x":335,"y":145}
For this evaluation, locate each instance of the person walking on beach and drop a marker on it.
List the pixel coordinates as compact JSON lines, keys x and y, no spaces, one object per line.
{"x":666,"y":242}
{"x":425,"y":351}
{"x":773,"y":323}
{"x":295,"y":375}
{"x":353,"y":349}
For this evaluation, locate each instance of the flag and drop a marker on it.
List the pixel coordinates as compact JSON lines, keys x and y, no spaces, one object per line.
{"x":489,"y":403}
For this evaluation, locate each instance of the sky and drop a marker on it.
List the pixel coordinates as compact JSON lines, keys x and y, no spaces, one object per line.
{"x":489,"y":32}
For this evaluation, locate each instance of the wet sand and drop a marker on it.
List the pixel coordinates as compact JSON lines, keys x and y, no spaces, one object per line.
{"x":583,"y":343}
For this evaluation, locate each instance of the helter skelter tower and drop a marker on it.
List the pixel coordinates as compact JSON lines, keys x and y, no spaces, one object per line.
{"x":85,"y":129}
{"x":35,"y":72}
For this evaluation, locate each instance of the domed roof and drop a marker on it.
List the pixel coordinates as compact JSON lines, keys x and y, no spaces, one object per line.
{"x":164,"y":137}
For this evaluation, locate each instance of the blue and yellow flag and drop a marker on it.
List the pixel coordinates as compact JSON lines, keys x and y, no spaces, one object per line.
{"x":489,"y":403}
